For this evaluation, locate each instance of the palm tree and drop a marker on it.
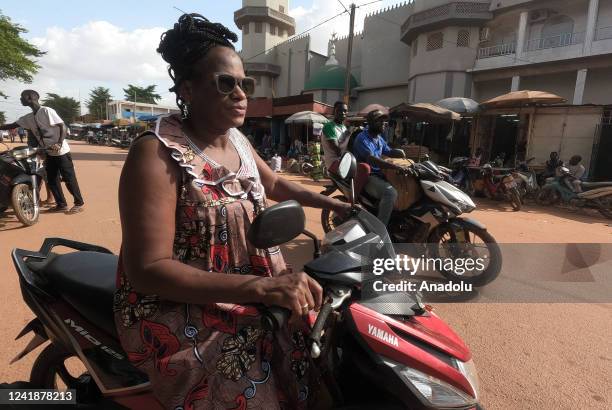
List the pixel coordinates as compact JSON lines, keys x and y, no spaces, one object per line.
{"x":141,"y":94}
{"x":98,"y":98}
{"x":66,"y":107}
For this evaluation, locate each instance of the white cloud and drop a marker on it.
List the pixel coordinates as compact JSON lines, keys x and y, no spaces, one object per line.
{"x":321,"y":10}
{"x":95,"y":54}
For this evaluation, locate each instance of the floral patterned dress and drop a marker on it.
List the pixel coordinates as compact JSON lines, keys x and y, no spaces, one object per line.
{"x":213,"y":356}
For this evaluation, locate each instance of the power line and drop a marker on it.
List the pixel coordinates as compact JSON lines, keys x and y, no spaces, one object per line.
{"x":299,"y":34}
{"x":366,"y":4}
{"x":343,"y":6}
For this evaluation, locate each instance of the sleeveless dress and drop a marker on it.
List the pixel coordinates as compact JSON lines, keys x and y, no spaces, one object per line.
{"x":213,"y":356}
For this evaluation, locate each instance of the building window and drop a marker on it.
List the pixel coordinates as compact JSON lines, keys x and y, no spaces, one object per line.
{"x":257,"y":80}
{"x":245,"y":29}
{"x":415,"y":47}
{"x":463,"y":38}
{"x":435,"y":41}
{"x":258,"y":26}
{"x":281,"y":9}
{"x":272,"y":29}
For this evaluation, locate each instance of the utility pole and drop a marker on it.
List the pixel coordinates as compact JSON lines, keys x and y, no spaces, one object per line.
{"x":107,"y":109}
{"x":347,"y":82}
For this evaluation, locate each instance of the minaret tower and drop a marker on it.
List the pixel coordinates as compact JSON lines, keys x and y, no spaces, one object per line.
{"x":264,"y":24}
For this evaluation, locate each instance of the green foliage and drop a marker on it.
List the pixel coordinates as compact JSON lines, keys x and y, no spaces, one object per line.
{"x":142,"y":94}
{"x":16,"y":54}
{"x":97,"y":102}
{"x":67,"y":108}
{"x":2,"y":118}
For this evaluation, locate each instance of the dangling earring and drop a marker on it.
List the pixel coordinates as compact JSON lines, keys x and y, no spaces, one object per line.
{"x":185,"y":111}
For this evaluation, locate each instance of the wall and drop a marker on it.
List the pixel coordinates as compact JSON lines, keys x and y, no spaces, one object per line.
{"x":429,"y":88}
{"x":563,"y":84}
{"x":384,"y":58}
{"x":598,"y":88}
{"x":569,"y":131}
{"x":449,"y":57}
{"x":421,"y":5}
{"x":267,"y":3}
{"x":293,"y":57}
{"x":386,"y":96}
{"x":486,"y":90}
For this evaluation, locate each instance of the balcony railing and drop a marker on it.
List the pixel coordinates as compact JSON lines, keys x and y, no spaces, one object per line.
{"x":496,"y":51}
{"x":562,"y":40}
{"x":603,"y":33}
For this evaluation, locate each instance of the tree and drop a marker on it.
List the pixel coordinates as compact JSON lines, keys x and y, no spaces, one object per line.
{"x":2,"y":118}
{"x":96,"y":104}
{"x":67,"y":108}
{"x":16,"y":54}
{"x":142,"y":94}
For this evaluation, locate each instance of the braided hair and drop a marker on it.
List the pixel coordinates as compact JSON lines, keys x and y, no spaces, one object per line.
{"x":191,"y":38}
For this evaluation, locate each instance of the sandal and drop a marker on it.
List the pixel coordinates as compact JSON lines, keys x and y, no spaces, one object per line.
{"x":76,"y":209}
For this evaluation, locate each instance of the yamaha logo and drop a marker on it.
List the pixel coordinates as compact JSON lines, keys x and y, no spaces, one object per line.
{"x":382,"y":335}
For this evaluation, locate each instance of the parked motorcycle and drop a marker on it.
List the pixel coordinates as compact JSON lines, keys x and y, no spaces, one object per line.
{"x":21,"y":172}
{"x":594,"y":195}
{"x":383,"y":352}
{"x":527,"y":180}
{"x":460,"y":175}
{"x":501,"y":187}
{"x":432,"y":219}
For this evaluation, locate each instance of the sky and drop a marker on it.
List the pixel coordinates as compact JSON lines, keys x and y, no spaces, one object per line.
{"x":112,"y":43}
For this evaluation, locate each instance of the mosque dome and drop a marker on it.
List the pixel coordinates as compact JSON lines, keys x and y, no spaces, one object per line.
{"x":329,"y":77}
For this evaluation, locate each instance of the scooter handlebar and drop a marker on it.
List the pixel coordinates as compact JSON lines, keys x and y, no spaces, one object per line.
{"x":274,"y":317}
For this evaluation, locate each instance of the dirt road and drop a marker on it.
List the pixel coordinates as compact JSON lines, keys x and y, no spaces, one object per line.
{"x":529,"y":356}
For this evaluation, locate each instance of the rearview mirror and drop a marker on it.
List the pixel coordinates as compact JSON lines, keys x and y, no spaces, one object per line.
{"x":277,"y":224}
{"x":347,"y":166}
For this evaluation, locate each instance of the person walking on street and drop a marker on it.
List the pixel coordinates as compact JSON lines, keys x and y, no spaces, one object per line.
{"x":50,"y":132}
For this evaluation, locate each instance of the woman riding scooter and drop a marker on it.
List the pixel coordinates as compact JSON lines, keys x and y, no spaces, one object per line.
{"x":188,"y":194}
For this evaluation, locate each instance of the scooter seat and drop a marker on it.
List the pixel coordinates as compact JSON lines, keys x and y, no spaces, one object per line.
{"x":86,"y":280}
{"x":595,"y":185}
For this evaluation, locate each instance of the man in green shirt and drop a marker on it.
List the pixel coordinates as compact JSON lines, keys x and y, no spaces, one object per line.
{"x":335,"y":135}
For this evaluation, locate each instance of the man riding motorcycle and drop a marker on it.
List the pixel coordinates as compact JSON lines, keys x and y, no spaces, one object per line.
{"x":369,"y":147}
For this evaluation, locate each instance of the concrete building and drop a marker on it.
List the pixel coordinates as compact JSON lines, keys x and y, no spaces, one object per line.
{"x":119,"y":109}
{"x":482,"y":49}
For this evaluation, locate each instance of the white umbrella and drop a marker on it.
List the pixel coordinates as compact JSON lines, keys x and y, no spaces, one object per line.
{"x":306,"y":117}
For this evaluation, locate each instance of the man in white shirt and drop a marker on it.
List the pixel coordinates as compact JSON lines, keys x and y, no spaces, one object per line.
{"x":50,"y":131}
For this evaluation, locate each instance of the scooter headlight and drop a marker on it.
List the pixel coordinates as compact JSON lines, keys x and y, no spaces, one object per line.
{"x":436,"y":392}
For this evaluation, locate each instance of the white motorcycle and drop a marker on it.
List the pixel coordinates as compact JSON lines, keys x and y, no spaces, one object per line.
{"x":433,"y":219}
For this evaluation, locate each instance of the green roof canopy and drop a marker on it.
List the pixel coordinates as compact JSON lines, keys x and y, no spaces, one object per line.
{"x":329,"y":77}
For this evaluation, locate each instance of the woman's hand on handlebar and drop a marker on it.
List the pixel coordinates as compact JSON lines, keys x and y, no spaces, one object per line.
{"x":297,"y":292}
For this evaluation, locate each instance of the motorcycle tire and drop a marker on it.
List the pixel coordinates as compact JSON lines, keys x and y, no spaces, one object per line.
{"x":329,"y":220}
{"x":22,"y":199}
{"x":547,"y":197}
{"x":306,"y":168}
{"x":495,"y":255}
{"x":51,"y":365}
{"x":515,"y":199}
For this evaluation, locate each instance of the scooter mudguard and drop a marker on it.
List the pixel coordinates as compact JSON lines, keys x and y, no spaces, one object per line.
{"x":468,"y":221}
{"x":40,"y":337}
{"x":424,"y":343}
{"x":22,"y":179}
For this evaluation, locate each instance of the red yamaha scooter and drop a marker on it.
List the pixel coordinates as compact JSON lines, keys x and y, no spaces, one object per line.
{"x":374,"y":352}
